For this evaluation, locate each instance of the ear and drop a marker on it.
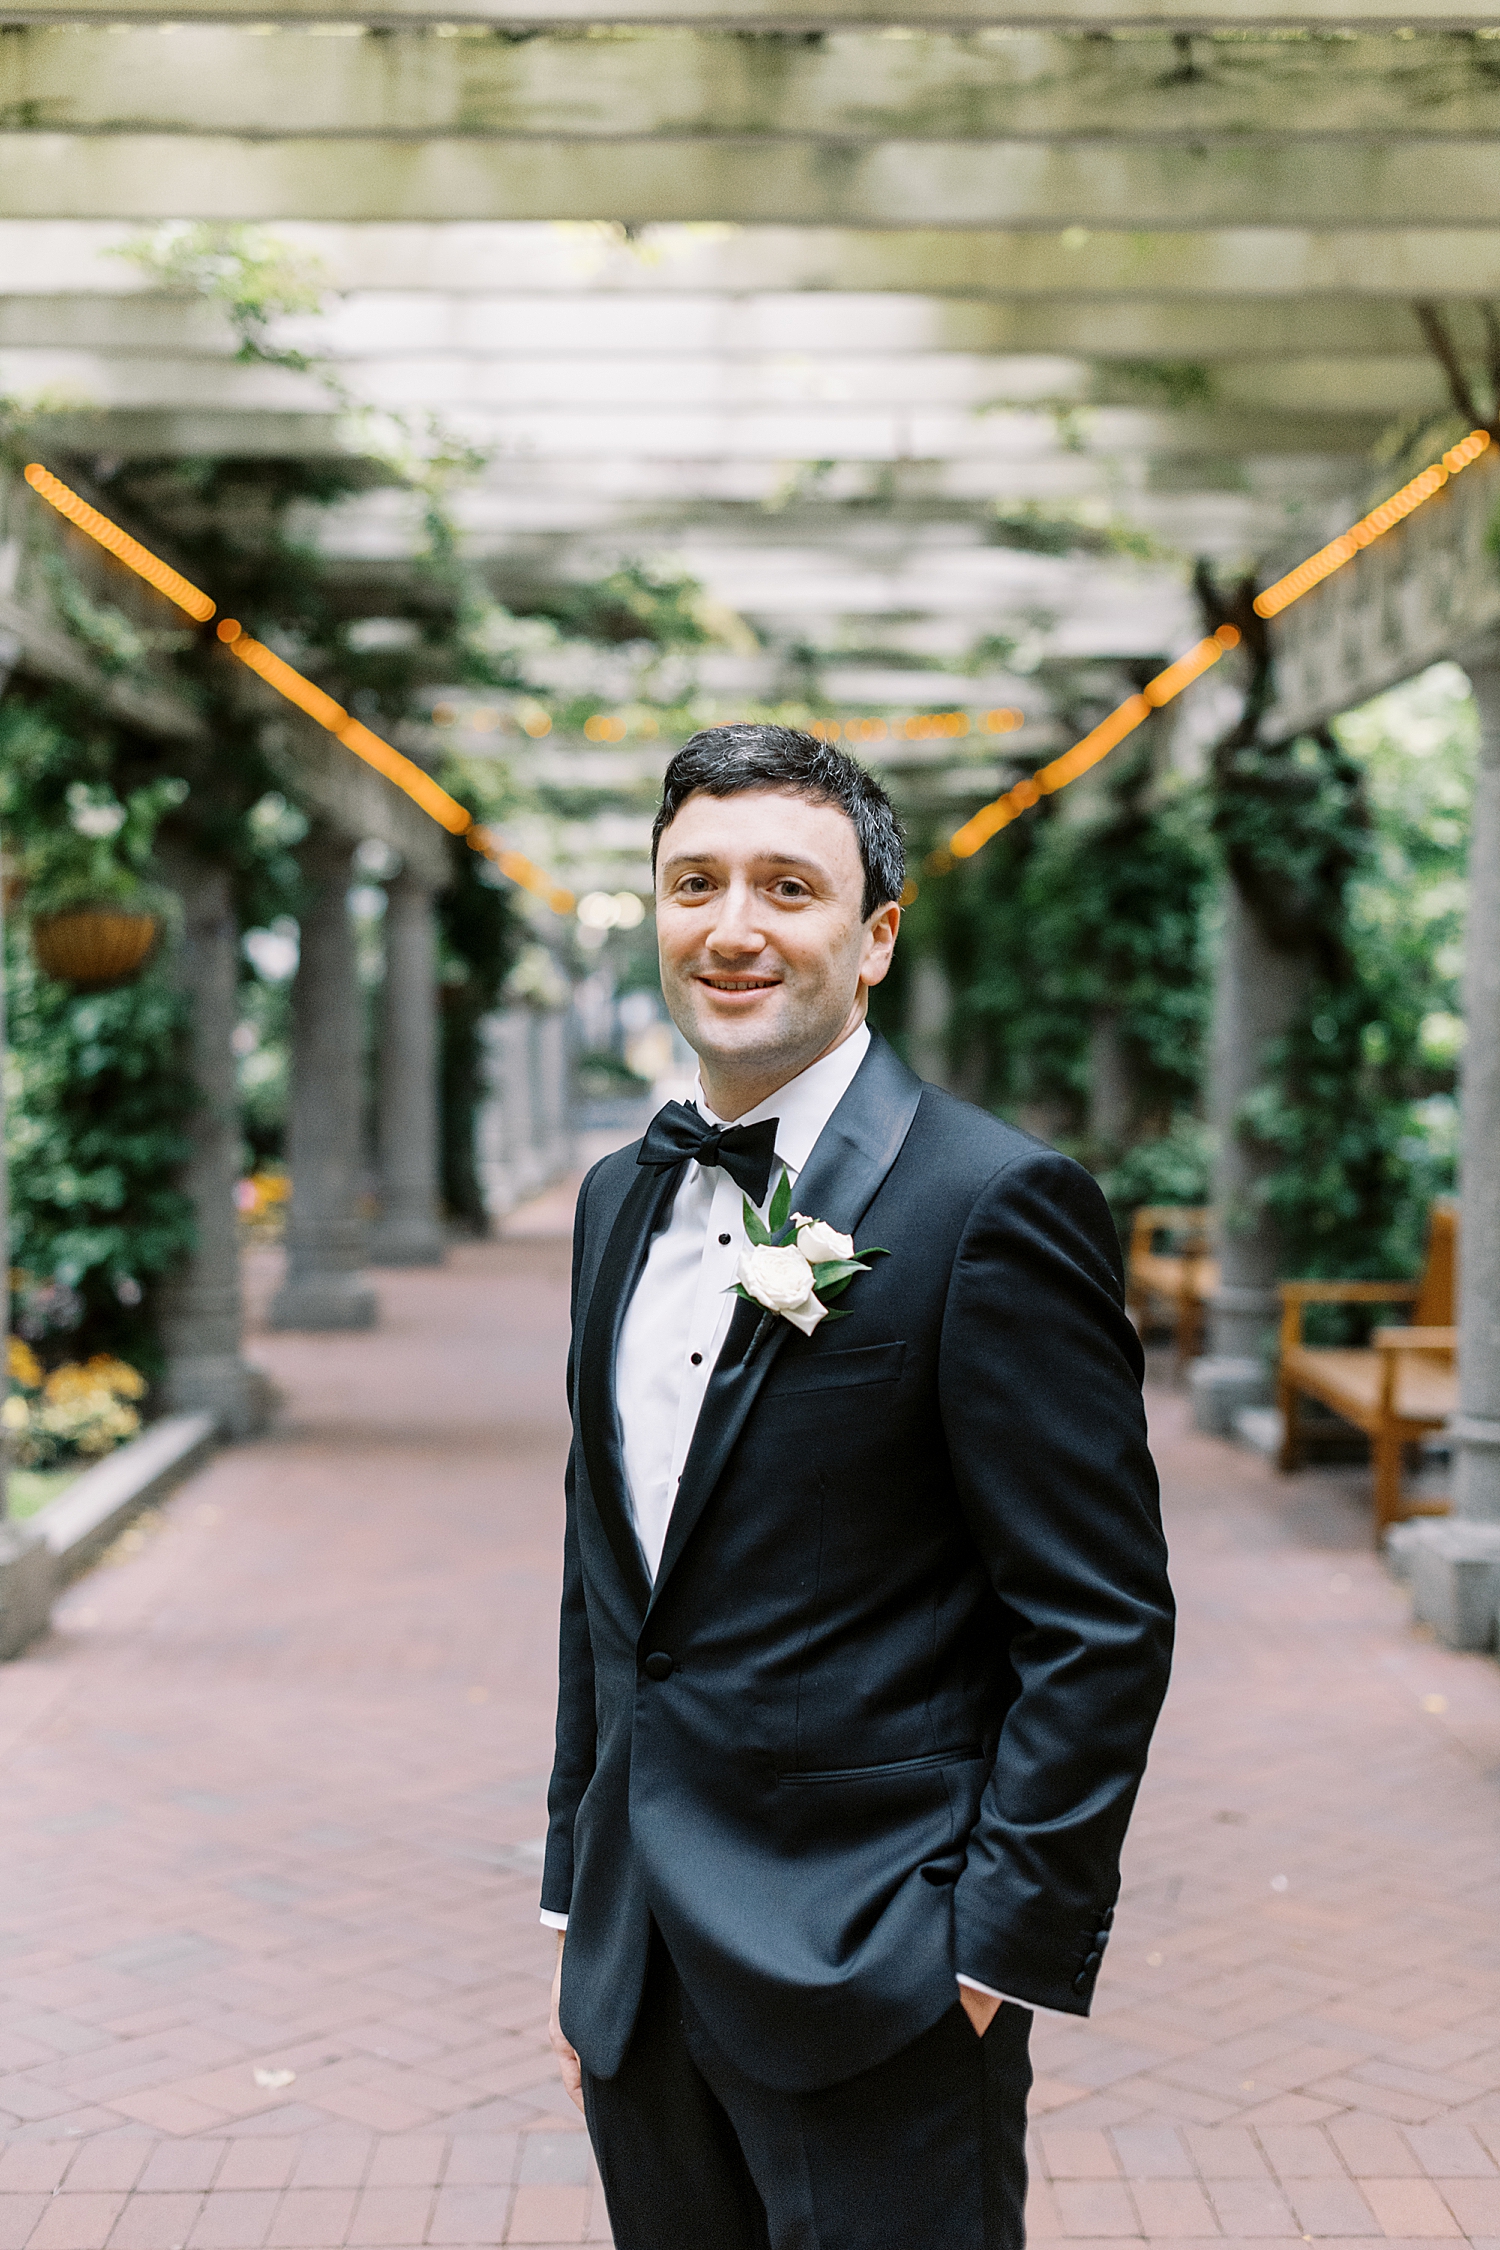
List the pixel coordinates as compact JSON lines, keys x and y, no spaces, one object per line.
{"x":880,"y":943}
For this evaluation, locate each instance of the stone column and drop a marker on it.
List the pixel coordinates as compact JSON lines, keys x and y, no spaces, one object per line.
{"x":1257,"y":992}
{"x":324,"y":1287}
{"x":1111,"y":1086}
{"x":407,"y":1231}
{"x":201,"y":1313}
{"x":929,"y":1007}
{"x":1453,"y":1563}
{"x":27,"y":1574}
{"x":1476,"y":1433}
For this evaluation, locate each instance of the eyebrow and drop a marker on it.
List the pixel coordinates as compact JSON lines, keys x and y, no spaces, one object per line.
{"x":766,"y":859}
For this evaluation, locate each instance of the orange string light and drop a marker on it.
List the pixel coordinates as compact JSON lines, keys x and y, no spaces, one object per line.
{"x":1097,"y":744}
{"x":402,"y":771}
{"x":1124,"y":720}
{"x":188,"y":597}
{"x":1371,"y":527}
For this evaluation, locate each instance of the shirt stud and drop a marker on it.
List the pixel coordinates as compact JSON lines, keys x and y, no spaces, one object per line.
{"x":697,"y":1358}
{"x":725,"y":1239}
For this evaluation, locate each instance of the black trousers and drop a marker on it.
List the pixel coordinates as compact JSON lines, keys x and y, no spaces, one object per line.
{"x":925,"y":2152}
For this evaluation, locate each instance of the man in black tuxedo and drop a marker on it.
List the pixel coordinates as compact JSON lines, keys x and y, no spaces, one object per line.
{"x":865,"y":1625}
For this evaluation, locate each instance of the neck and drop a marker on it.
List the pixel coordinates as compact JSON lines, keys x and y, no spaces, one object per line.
{"x":731,"y":1088}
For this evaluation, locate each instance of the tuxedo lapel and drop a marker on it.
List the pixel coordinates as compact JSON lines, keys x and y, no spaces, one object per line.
{"x":852,"y":1155}
{"x":598,"y":1417}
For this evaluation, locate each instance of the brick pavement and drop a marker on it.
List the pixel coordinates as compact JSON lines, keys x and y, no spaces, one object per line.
{"x":270,"y":1974}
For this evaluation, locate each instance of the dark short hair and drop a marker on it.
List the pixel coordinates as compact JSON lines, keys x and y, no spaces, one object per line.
{"x":722,"y":761}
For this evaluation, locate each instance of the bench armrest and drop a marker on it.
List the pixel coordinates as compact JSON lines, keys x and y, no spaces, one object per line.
{"x":1348,"y":1292}
{"x":1296,"y":1294}
{"x":1415,"y":1339}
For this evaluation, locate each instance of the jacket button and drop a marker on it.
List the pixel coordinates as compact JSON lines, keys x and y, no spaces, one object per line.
{"x":659,"y":1665}
{"x":1081,"y":1982}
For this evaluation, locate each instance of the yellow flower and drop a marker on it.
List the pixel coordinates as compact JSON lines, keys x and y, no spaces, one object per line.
{"x":22,"y":1364}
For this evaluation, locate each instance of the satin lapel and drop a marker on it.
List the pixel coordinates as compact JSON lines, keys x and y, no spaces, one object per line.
{"x":598,"y":1417}
{"x":854,"y":1152}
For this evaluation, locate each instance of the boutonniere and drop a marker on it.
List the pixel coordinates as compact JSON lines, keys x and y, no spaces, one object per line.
{"x":794,"y":1265}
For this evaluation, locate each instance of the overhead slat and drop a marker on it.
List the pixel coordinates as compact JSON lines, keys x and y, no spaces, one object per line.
{"x":48,"y":255}
{"x":841,"y":86}
{"x":381,"y":325}
{"x":789,"y":16}
{"x":1011,"y":184}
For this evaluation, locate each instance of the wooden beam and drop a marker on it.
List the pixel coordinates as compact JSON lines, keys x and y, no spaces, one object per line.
{"x":794,"y":16}
{"x":1290,"y":266}
{"x":840,"y":85}
{"x":1128,"y":189}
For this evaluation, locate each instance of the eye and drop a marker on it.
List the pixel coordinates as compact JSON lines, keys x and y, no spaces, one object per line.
{"x":790,"y":887}
{"x":694,"y":886}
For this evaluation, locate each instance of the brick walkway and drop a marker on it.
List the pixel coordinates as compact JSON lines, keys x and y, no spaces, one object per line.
{"x":270,"y":1973}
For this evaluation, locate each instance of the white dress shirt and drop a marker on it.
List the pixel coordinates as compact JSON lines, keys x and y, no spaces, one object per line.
{"x":675,"y":1324}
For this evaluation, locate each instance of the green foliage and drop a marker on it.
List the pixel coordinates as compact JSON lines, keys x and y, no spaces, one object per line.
{"x":1060,"y":922}
{"x":1173,"y":383}
{"x":99,"y":1090}
{"x":254,"y":278}
{"x":1056,"y":529}
{"x":635,"y":603}
{"x":99,"y":1098}
{"x":1170,"y":1168}
{"x":1359,"y":1100}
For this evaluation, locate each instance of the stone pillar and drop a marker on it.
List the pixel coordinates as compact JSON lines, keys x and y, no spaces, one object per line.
{"x":1257,"y":992}
{"x":1476,"y":1433}
{"x":324,"y":1287}
{"x":407,"y":1231}
{"x":201,"y":1312}
{"x":1453,"y":1563}
{"x":27,"y":1574}
{"x":929,"y":1006}
{"x":1111,"y":1086}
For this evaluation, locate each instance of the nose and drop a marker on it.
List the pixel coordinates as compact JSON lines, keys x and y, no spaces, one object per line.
{"x":736,"y":933}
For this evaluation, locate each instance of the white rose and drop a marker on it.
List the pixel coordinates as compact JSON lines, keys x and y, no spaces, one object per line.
{"x":820,"y":1243}
{"x":782,"y":1281}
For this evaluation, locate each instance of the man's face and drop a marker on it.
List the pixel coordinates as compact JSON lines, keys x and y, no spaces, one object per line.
{"x":766,"y":957}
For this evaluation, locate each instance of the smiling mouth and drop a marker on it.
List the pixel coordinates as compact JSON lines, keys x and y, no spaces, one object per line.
{"x":740,"y":984}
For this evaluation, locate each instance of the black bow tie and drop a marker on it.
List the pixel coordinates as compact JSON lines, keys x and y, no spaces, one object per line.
{"x":746,"y":1152}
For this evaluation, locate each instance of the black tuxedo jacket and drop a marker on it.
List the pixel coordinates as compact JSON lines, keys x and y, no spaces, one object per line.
{"x":884,"y":1713}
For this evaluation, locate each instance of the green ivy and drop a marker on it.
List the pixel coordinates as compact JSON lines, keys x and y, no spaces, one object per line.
{"x":99,"y":1092}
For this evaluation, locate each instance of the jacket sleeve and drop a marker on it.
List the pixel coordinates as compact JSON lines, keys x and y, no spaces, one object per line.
{"x":573,"y":1760}
{"x":1040,"y":1375}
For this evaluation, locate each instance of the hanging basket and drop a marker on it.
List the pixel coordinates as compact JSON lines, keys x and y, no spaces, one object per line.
{"x":93,"y":947}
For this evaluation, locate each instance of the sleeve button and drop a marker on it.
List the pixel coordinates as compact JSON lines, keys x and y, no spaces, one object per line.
{"x":1081,"y":1982}
{"x":1093,"y":1961}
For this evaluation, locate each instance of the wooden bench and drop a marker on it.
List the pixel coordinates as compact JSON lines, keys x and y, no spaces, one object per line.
{"x":1179,"y":1279}
{"x":1401,"y":1388}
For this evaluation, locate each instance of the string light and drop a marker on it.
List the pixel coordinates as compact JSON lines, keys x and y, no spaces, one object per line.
{"x":991,"y":818}
{"x":1097,"y":744}
{"x":1371,"y":527}
{"x":403,"y":772}
{"x":298,"y":689}
{"x":117,"y":542}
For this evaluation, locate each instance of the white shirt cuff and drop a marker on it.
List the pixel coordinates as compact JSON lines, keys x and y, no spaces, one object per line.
{"x":551,"y":1921}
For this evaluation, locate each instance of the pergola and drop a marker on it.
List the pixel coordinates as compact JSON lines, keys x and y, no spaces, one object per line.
{"x":821,"y":302}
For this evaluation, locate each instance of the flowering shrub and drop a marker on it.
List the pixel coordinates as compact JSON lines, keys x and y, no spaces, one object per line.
{"x":76,"y":1410}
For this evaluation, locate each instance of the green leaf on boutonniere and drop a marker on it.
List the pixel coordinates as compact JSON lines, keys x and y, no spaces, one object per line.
{"x":781,"y":1202}
{"x":835,"y":1272}
{"x":755,"y":1227}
